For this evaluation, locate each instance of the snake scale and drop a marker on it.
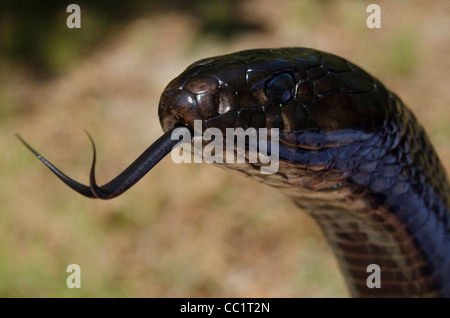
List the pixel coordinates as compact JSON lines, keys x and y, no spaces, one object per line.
{"x":352,"y":155}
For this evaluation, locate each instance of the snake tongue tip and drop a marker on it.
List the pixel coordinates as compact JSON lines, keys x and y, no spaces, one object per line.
{"x":28,"y":146}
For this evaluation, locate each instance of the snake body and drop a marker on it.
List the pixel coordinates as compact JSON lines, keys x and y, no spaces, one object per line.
{"x":351,"y":155}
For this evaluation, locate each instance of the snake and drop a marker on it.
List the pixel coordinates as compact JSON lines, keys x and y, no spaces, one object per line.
{"x":351,"y":155}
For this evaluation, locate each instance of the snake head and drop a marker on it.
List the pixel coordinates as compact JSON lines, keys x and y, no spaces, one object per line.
{"x":316,"y":99}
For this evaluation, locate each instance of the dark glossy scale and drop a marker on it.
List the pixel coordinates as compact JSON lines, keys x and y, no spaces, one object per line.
{"x":352,"y":155}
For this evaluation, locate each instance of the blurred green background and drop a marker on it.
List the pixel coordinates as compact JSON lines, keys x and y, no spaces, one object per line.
{"x":183,"y":230}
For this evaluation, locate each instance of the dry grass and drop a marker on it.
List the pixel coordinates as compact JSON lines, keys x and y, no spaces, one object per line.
{"x":187,"y":230}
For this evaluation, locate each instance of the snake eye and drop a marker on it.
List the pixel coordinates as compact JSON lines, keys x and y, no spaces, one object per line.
{"x":280,"y":89}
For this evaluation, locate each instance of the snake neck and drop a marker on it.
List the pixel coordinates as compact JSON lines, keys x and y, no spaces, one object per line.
{"x":362,"y":232}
